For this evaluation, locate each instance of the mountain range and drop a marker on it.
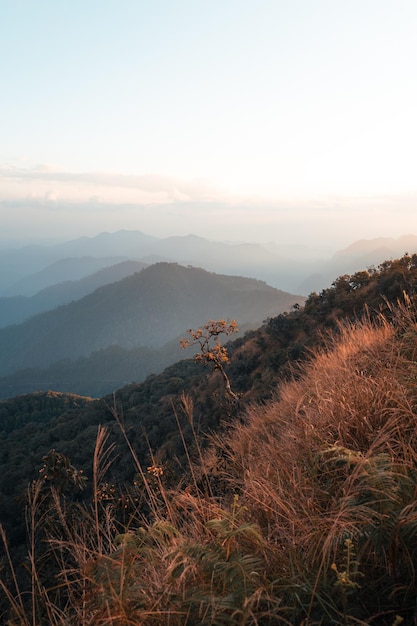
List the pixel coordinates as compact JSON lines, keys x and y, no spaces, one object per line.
{"x":87,"y":317}
{"x":296,"y":269}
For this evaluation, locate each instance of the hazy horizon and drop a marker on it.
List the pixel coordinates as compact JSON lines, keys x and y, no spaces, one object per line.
{"x":291,"y":123}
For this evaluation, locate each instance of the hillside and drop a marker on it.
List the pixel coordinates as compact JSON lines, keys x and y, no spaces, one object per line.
{"x":100,"y":373}
{"x":313,"y":466}
{"x":146,"y":310}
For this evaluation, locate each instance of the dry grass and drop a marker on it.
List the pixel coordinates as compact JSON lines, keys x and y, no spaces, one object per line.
{"x":334,"y":458}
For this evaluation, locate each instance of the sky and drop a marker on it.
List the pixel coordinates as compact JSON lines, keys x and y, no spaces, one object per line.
{"x":275,"y":120}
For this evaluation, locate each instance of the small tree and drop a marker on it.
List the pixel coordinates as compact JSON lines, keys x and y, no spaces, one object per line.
{"x":211,"y":350}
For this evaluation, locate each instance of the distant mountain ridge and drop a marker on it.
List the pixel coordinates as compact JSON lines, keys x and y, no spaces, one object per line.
{"x":14,"y":310}
{"x":358,"y":255}
{"x":394,"y":246}
{"x":68,"y":268}
{"x":244,"y":259}
{"x":295,"y":269}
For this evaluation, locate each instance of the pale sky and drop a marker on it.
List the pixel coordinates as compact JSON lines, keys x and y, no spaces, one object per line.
{"x":268,"y":120}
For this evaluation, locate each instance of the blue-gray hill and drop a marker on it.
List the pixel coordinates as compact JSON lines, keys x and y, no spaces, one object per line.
{"x":16,"y":309}
{"x":147,"y":309}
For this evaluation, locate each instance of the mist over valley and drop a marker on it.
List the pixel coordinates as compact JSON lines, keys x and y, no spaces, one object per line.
{"x":94,"y":313}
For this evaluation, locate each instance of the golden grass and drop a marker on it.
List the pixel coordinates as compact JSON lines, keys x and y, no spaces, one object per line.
{"x":335,"y":458}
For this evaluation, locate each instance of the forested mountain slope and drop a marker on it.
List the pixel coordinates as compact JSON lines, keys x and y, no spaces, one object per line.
{"x":322,"y":461}
{"x":259,"y":362}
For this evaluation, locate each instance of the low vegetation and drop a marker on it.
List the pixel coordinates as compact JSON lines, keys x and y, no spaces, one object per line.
{"x":301,"y":509}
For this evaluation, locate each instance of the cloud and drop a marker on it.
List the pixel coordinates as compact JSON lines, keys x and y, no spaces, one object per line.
{"x":149,"y":188}
{"x":46,"y":199}
{"x":51,"y":196}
